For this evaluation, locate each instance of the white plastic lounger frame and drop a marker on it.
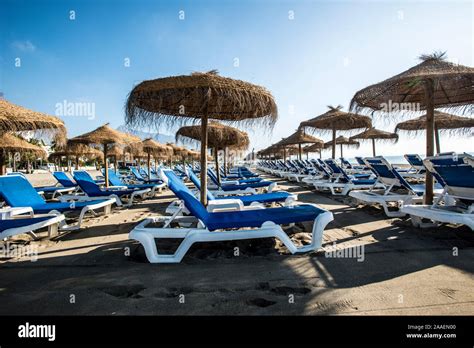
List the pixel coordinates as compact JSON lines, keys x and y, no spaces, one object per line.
{"x":342,"y":189}
{"x":147,"y":235}
{"x":384,"y":199}
{"x":117,"y":200}
{"x":107,"y":205}
{"x":51,"y":223}
{"x":438,"y":215}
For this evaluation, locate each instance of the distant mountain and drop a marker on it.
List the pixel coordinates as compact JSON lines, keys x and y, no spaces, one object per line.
{"x":161,"y":138}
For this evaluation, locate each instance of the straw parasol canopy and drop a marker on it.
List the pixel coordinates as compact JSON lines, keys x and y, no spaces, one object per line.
{"x":17,"y":118}
{"x":219,"y":137}
{"x":341,"y":141}
{"x":300,"y":137}
{"x":317,"y":147}
{"x":456,"y":125}
{"x":336,"y":119}
{"x":12,"y":143}
{"x":431,"y":84}
{"x":104,"y":136}
{"x":375,"y":134}
{"x":155,"y":149}
{"x":179,"y":99}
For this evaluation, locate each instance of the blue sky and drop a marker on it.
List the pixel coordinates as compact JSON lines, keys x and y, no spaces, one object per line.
{"x":321,"y":56}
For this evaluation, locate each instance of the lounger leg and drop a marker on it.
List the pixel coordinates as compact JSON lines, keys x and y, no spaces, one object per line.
{"x":53,"y":230}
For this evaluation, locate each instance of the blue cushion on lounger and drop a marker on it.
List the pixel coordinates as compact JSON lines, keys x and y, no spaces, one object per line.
{"x":15,"y":223}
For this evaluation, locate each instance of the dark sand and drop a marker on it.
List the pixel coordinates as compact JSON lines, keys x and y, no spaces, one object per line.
{"x":405,"y":270}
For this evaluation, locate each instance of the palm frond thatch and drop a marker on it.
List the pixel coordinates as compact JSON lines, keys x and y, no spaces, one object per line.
{"x":103,"y":135}
{"x":376,"y":134}
{"x":444,"y":122}
{"x":300,"y":137}
{"x":13,"y":143}
{"x":177,"y":100}
{"x":341,"y":140}
{"x":219,"y":136}
{"x":337,"y":119}
{"x":17,"y":118}
{"x":453,"y":89}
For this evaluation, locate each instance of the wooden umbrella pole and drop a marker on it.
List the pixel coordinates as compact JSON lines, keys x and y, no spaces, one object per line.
{"x":3,"y":167}
{"x":204,"y":159}
{"x":106,"y":167}
{"x":216,"y":158}
{"x":148,"y":163}
{"x":429,"y":101}
{"x":334,"y":142}
{"x":321,"y":154}
{"x":116,"y":164}
{"x":373,"y":147}
{"x":299,"y":151}
{"x":438,"y":147}
{"x":342,"y":155}
{"x":226,"y":170}
{"x":77,"y":162}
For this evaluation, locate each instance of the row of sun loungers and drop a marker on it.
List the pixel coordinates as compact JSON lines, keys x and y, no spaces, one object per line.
{"x":374,"y":181}
{"x":242,"y":204}
{"x":27,"y":208}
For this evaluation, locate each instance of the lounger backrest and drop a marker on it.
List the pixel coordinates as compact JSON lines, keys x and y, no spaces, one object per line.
{"x":346,"y":163}
{"x":63,"y":179}
{"x":195,"y":180}
{"x":183,"y":193}
{"x":360,"y":161}
{"x":136,"y":173}
{"x":336,"y":168}
{"x":18,"y":192}
{"x":454,"y":172}
{"x":213,"y":177}
{"x":114,"y":180}
{"x":383,"y":170}
{"x":86,"y":183}
{"x":414,"y":160}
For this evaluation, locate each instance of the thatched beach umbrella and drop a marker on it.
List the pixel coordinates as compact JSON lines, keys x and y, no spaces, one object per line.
{"x":299,"y":138}
{"x":155,"y":149}
{"x":317,"y":147}
{"x":219,"y":137}
{"x":434,"y":83}
{"x":16,"y":118}
{"x":456,"y":125}
{"x":201,"y":96}
{"x":104,"y":136}
{"x":116,"y":152}
{"x":375,"y":134}
{"x":341,"y":141}
{"x":335,"y":119}
{"x":10,"y":143}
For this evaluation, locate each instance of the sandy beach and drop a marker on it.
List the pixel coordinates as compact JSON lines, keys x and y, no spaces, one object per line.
{"x":98,"y":271}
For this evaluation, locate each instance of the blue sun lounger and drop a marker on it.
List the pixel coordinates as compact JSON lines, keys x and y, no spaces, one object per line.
{"x":52,"y":190}
{"x":236,"y":180}
{"x":18,"y":192}
{"x":64,"y":179}
{"x":392,"y":180}
{"x":235,"y":186}
{"x":92,"y":190}
{"x":456,"y":203}
{"x":344,"y":182}
{"x":265,"y":198}
{"x":225,"y":226}
{"x":140,"y":178}
{"x":115,"y":181}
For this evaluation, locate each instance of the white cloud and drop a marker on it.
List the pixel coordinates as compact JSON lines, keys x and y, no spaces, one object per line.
{"x":24,"y":46}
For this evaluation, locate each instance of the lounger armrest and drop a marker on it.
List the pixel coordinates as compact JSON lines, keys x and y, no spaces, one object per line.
{"x":115,"y":188}
{"x":7,"y":213}
{"x":224,"y":204}
{"x":230,"y":182}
